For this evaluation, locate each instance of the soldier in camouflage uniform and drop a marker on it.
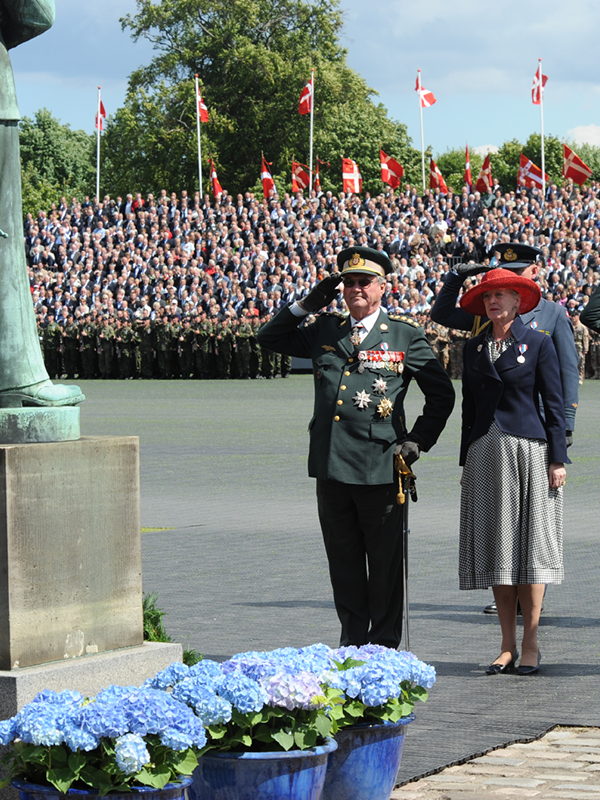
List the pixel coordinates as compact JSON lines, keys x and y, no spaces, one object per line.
{"x":458,"y":340}
{"x":87,"y":347}
{"x":175,"y":328}
{"x":582,"y":343}
{"x":186,"y":341}
{"x":594,"y":355}
{"x":106,"y":348}
{"x":267,"y":357}
{"x":163,"y":346}
{"x":203,"y":331}
{"x":145,"y":335}
{"x":52,"y":346}
{"x":71,"y":347}
{"x":439,"y":339}
{"x":255,"y":349}
{"x":224,"y":346}
{"x":127,"y":340}
{"x":244,"y":335}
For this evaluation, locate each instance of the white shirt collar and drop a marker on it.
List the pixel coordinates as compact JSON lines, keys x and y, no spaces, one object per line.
{"x":368,"y":323}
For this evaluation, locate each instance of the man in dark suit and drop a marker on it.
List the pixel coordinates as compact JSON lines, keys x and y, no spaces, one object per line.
{"x":23,"y":376}
{"x":363,"y":365}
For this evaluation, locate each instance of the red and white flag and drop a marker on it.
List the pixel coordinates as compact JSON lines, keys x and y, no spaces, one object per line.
{"x":351,"y":177}
{"x":484,"y":181}
{"x":467,"y":178}
{"x":317,"y":180}
{"x":202,"y":109}
{"x":574,"y":168}
{"x":300,"y":177}
{"x":427,"y":97}
{"x":306,"y":98}
{"x":436,"y":180}
{"x":529,"y":174}
{"x":216,"y":186}
{"x":266,"y":178}
{"x":100,"y":116}
{"x":537,"y":90}
{"x":391,"y":170}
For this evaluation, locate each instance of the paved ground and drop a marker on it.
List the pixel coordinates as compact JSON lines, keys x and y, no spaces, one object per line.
{"x":223,"y":464}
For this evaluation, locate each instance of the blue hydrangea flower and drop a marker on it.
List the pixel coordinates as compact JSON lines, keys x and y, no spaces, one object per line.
{"x":167,"y":677}
{"x":175,"y":739}
{"x":131,"y":753}
{"x":77,"y":737}
{"x":8,"y":731}
{"x":243,"y":693}
{"x":206,"y":669}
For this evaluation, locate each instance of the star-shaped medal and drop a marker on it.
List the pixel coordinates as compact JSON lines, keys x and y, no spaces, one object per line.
{"x":385,"y":407}
{"x":361,"y":399}
{"x":379,"y":386}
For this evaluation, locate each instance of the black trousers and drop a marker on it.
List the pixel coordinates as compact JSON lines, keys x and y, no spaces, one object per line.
{"x":362,"y":532}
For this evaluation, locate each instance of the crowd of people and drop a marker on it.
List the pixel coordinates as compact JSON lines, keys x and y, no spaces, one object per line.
{"x":178,"y":286}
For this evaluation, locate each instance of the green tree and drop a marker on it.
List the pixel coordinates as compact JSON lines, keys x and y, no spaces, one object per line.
{"x":452,"y":166}
{"x":55,"y":160}
{"x":252,"y":58}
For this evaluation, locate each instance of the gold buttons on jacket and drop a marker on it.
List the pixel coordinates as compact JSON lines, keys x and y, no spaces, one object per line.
{"x":340,"y":402}
{"x":336,"y":419}
{"x":346,"y":373}
{"x":350,"y":360}
{"x":343,"y":387}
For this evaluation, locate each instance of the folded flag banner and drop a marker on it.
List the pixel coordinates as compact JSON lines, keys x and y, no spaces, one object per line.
{"x":351,"y":177}
{"x":484,"y":181}
{"x":539,"y":81}
{"x":202,"y":109}
{"x":268,"y":183}
{"x":574,"y":168}
{"x":391,"y":170}
{"x":100,"y":115}
{"x":436,"y":180}
{"x":216,"y":186}
{"x":427,"y":97}
{"x":300,"y":177}
{"x":306,"y":98}
{"x":467,"y":178}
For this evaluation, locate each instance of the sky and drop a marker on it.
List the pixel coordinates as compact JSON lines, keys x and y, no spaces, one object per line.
{"x":478,"y":57}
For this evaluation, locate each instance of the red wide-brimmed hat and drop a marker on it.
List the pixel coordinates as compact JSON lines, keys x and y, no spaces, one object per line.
{"x":472,"y":301}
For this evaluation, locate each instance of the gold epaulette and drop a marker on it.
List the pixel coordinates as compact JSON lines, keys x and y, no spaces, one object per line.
{"x":404,"y":318}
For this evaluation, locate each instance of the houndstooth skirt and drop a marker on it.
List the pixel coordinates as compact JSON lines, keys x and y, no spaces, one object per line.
{"x":510,"y":519}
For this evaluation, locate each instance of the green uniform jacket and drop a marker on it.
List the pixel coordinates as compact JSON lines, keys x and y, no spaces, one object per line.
{"x":351,"y":444}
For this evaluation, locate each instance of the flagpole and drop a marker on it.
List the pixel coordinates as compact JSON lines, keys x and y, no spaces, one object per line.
{"x":98,"y":123}
{"x":422,"y":138}
{"x":312,"y":111}
{"x":542,"y":118}
{"x":198,"y":136}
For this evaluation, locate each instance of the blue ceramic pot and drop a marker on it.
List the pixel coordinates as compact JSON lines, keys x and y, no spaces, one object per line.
{"x":291,"y":775}
{"x":33,"y":791}
{"x":365,"y":765}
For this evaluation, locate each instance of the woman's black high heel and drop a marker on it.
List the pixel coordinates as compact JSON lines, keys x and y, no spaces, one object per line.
{"x":499,"y":669}
{"x":525,"y":670}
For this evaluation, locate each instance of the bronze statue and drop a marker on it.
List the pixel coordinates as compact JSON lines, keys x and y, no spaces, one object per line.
{"x":23,"y":377}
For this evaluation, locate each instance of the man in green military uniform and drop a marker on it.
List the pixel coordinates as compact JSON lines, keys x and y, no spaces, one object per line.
{"x":363,"y":365}
{"x":106,"y":348}
{"x":243,"y":349}
{"x":224,"y":347}
{"x":163,"y":346}
{"x":71,"y":347}
{"x":51,"y":345}
{"x":87,"y":347}
{"x":127,"y":340}
{"x":146,"y":348}
{"x":582,"y":343}
{"x":201,"y":347}
{"x":186,"y":341}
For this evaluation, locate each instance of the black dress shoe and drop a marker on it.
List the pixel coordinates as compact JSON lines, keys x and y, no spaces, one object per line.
{"x":499,"y":669}
{"x":491,"y":609}
{"x":524,"y":670}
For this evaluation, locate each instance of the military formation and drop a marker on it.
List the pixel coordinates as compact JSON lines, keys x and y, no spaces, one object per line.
{"x":167,"y":347}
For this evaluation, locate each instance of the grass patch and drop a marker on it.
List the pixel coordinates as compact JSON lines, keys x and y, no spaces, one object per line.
{"x":154,"y":629}
{"x":153,"y":530}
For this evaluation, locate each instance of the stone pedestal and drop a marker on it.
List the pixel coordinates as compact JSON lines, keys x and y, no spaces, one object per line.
{"x":70,"y":550}
{"x":29,"y":425}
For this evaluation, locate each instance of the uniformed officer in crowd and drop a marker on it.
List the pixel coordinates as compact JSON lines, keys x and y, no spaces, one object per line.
{"x":582,"y":342}
{"x":363,"y":365}
{"x":547,"y":317}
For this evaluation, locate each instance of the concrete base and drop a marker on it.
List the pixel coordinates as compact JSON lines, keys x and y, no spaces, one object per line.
{"x":30,"y":425}
{"x":70,"y":550}
{"x":88,"y":675}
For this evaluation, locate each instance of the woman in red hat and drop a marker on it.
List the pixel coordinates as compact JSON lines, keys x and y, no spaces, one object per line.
{"x":513,"y":455}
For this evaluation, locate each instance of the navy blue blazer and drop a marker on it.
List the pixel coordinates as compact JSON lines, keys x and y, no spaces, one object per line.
{"x":508,"y":391}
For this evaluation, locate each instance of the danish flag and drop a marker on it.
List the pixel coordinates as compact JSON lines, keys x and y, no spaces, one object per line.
{"x":529,"y":174}
{"x":216,"y":186}
{"x":267,"y":179}
{"x":102,"y":115}
{"x":300,"y":178}
{"x":306,"y":98}
{"x":574,"y":168}
{"x":467,"y":178}
{"x":391,"y":170}
{"x":427,"y":97}
{"x":537,"y":90}
{"x":436,"y":180}
{"x":202,"y":109}
{"x":351,"y":177}
{"x":484,"y":181}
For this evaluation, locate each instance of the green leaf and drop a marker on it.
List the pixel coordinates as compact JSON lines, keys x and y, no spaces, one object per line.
{"x":77,"y":762}
{"x":217,"y":731}
{"x":157,"y":778}
{"x":323,"y":725}
{"x":61,"y":777}
{"x":187,"y":764}
{"x":284,"y":739}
